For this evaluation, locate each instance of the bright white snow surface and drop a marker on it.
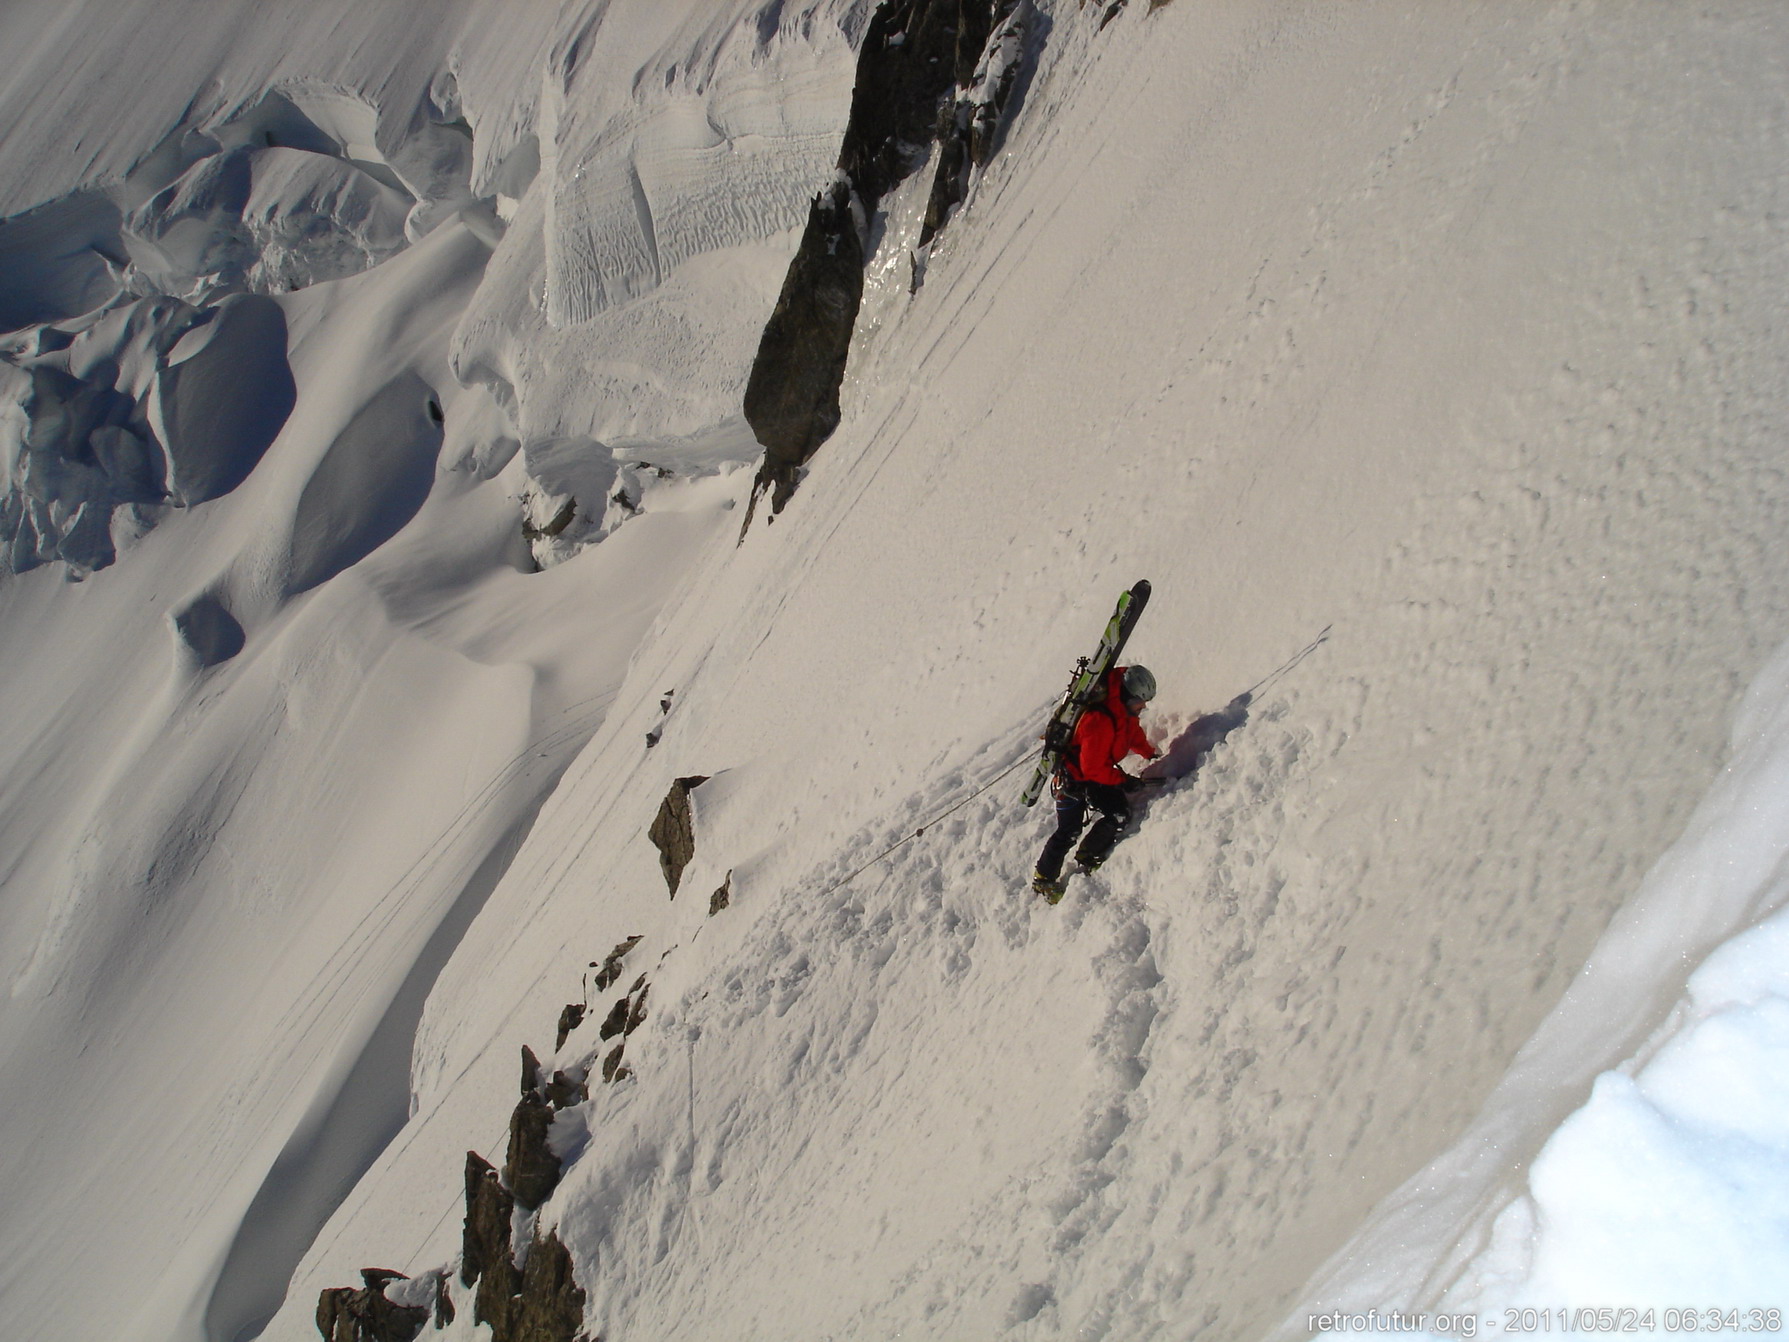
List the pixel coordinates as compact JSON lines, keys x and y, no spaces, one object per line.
{"x":1454,"y":329}
{"x":1661,"y":1199}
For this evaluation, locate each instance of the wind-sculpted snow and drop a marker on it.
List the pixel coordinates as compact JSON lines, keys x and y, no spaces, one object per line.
{"x":155,"y":404}
{"x":271,"y":200}
{"x":222,"y":398}
{"x":723,"y":146}
{"x":371,"y":481}
{"x":58,"y":259}
{"x":733,"y":116}
{"x":313,"y":217}
{"x":163,"y":384}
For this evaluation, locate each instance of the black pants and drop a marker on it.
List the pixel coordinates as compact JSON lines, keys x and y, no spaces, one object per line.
{"x":1072,"y":805}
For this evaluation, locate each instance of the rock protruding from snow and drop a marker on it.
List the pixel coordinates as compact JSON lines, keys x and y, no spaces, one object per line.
{"x":913,"y":55}
{"x":567,"y":1089}
{"x":345,"y":1314}
{"x":792,"y":396}
{"x":577,"y":494}
{"x":967,"y":140}
{"x":531,"y":1170}
{"x":485,"y":1259}
{"x":610,"y":973}
{"x":615,"y":1022}
{"x":614,"y":1069}
{"x":569,"y":1019}
{"x":673,"y":830}
{"x":540,"y":1302}
{"x":550,"y":1307}
{"x":626,"y":1016}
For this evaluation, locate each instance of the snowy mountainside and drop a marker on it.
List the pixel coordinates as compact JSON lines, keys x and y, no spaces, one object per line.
{"x":1453,"y":333}
{"x":353,"y":625}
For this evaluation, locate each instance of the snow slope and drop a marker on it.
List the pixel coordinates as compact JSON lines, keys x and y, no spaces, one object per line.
{"x":1660,"y":1197}
{"x":1453,"y":330}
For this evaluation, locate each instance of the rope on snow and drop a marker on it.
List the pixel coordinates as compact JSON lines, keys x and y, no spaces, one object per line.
{"x":1268,"y":679}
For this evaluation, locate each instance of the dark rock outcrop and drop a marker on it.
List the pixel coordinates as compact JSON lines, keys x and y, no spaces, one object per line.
{"x":673,"y":830}
{"x":550,"y":1307}
{"x":664,"y":708}
{"x":722,"y":897}
{"x":615,"y":1022}
{"x":531,"y":1169}
{"x":636,"y":1014}
{"x":610,"y":973}
{"x":554,"y":525}
{"x":530,"y":1296}
{"x":613,"y":1068}
{"x":444,"y":1311}
{"x":626,"y":1015}
{"x":345,"y":1314}
{"x":567,"y":1089}
{"x":569,"y":1019}
{"x":1116,"y":7}
{"x":792,"y":395}
{"x":969,"y":127}
{"x":485,"y":1258}
{"x":914,"y":53}
{"x":538,"y":1302}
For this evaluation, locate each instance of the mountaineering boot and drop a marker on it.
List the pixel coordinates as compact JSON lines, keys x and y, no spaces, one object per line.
{"x":1088,"y":863}
{"x":1052,"y":891}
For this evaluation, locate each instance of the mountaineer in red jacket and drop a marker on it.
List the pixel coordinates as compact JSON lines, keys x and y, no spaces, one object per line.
{"x":1106,"y":735}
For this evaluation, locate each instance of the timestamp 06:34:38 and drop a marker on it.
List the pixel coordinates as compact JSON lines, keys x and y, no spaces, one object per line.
{"x":1630,"y":1319}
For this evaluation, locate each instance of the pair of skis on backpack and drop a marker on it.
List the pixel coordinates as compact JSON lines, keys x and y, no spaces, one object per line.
{"x":1086,"y":687}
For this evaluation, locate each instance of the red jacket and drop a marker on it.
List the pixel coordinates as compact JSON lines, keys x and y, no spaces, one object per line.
{"x":1105,"y":736}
